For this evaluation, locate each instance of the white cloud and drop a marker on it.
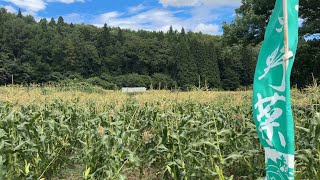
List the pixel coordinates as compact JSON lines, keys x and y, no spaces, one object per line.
{"x":9,"y":9}
{"x":154,"y":19}
{"x":136,"y":9}
{"x":207,"y":28}
{"x":203,"y":14}
{"x":212,"y":3}
{"x":137,"y":17}
{"x":32,"y":6}
{"x":74,"y":18}
{"x":178,"y":3}
{"x":66,"y":1}
{"x":109,"y":16}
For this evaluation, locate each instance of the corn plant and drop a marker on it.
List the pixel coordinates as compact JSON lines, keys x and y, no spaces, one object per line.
{"x":163,"y":139}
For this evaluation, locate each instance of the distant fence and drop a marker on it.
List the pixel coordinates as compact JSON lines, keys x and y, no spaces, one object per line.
{"x":133,"y":89}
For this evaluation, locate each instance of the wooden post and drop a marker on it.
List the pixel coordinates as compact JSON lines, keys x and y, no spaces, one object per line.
{"x":12,"y":79}
{"x":206,"y":84}
{"x":199,"y":82}
{"x":286,"y":32}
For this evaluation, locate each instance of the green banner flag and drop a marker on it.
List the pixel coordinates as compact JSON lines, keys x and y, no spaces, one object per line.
{"x":271,"y":93}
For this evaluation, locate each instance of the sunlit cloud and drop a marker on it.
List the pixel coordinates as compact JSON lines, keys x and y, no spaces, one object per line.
{"x":184,"y":3}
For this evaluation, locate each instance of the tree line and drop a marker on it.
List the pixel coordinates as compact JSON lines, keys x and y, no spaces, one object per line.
{"x":55,"y":51}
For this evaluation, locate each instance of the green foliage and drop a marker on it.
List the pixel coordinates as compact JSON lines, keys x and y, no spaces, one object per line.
{"x":303,"y":71}
{"x":250,"y":22}
{"x":309,"y":10}
{"x":60,"y":20}
{"x":19,"y":14}
{"x":96,"y":81}
{"x":205,"y":56}
{"x":231,"y":80}
{"x":176,"y":140}
{"x":162,"y":81}
{"x":248,"y":28}
{"x":52,"y":22}
{"x":41,"y":52}
{"x":133,"y":80}
{"x":91,"y":86}
{"x":55,"y":77}
{"x":186,"y":66}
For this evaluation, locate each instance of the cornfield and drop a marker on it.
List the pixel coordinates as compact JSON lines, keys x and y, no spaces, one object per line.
{"x":46,"y":133}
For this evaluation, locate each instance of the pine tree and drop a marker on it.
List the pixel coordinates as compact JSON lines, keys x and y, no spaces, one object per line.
{"x":187,"y":75}
{"x":207,"y":63}
{"x":171,"y":35}
{"x":43,"y":23}
{"x":183,"y":32}
{"x":52,"y":22}
{"x":120,"y":36}
{"x":249,"y":56}
{"x":104,"y":41}
{"x":60,"y":20}
{"x":71,"y":56}
{"x":230,"y":80}
{"x":106,"y":33}
{"x":160,"y":36}
{"x":19,"y":14}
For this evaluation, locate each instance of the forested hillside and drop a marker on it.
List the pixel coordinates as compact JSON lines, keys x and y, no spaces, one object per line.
{"x":53,"y":51}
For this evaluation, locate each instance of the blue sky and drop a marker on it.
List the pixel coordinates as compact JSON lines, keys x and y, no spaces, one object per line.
{"x":195,"y":15}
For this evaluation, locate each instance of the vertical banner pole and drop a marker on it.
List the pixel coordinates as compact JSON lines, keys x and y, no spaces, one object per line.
{"x":285,"y":30}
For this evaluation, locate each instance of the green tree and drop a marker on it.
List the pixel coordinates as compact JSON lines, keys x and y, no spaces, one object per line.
{"x":187,"y":75}
{"x":52,"y":22}
{"x":41,"y":52}
{"x":248,"y":27}
{"x":60,"y":21}
{"x":207,"y":63}
{"x":307,"y":64}
{"x":43,"y":23}
{"x":310,"y":13}
{"x":230,"y":79}
{"x":20,"y":14}
{"x":162,"y":81}
{"x":249,"y":56}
